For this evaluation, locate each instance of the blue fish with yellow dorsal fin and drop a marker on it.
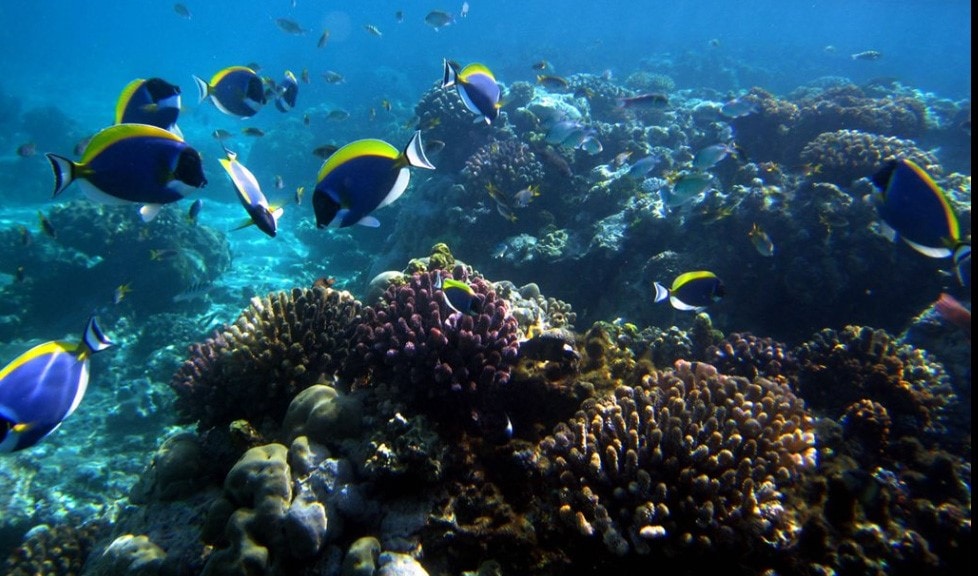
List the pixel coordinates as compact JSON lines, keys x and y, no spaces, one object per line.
{"x":251,"y":196}
{"x":692,"y":291}
{"x":152,"y":101}
{"x":477,"y":88}
{"x":459,"y":296}
{"x":236,"y":91}
{"x":43,"y":386}
{"x":132,"y":163}
{"x":363,"y":176}
{"x":915,"y":208}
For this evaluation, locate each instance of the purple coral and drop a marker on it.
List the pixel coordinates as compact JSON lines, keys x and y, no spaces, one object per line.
{"x":413,"y":340}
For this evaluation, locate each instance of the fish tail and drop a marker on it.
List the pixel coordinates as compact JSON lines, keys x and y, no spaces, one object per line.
{"x":451,"y":76}
{"x":203,"y":88}
{"x":414,"y":153}
{"x":64,"y":172}
{"x":94,"y":339}
{"x":661,"y":292}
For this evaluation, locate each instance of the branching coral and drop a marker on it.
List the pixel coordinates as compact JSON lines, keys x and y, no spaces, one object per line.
{"x":415,"y":340}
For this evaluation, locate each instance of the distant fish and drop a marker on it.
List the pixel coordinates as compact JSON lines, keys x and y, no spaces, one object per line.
{"x":522,"y":198}
{"x":708,"y":157}
{"x":163,"y":254}
{"x":299,"y":193}
{"x":552,"y":82}
{"x":279,"y":182}
{"x":182,"y":11}
{"x":46,"y":225}
{"x":399,"y":16}
{"x":954,"y":312}
{"x":737,"y":108}
{"x":194,"y":212}
{"x":867,"y":55}
{"x":685,"y":188}
{"x":120,"y":293}
{"x":373,"y":30}
{"x":761,"y":241}
{"x":253,"y":132}
{"x":221,"y":134}
{"x":27,"y":150}
{"x":692,"y":291}
{"x":643,"y":166}
{"x":464,"y":11}
{"x":333,"y":77}
{"x":438,"y":19}
{"x":650,"y":101}
{"x":541,"y":65}
{"x":323,"y":39}
{"x":337,"y":115}
{"x":290,"y":26}
{"x":197,"y":290}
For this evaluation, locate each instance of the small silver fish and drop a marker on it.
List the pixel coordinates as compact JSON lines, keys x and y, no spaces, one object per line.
{"x":761,"y":241}
{"x":867,"y":55}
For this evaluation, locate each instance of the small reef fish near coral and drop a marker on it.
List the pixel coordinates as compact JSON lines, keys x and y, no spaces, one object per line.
{"x":576,"y":290}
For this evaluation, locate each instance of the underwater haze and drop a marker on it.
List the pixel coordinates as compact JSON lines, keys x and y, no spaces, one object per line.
{"x":404,"y":288}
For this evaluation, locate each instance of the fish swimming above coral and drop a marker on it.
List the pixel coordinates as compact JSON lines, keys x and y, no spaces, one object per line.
{"x":363,"y":176}
{"x":133,"y":163}
{"x":250,"y":195}
{"x":152,"y":101}
{"x":692,"y":291}
{"x":236,"y":91}
{"x":43,"y":386}
{"x":914,"y":208}
{"x":477,"y":88}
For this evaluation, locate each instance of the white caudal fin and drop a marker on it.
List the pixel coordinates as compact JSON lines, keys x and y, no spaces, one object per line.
{"x":64,"y":172}
{"x":450,"y":75}
{"x":203,"y":89}
{"x":661,"y":292}
{"x":414,"y":152}
{"x":94,"y":339}
{"x":149,"y":211}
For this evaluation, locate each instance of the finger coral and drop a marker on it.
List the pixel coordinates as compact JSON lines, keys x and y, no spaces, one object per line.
{"x":282,"y":344}
{"x":688,"y":458}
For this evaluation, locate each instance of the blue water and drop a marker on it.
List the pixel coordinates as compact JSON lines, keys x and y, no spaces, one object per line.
{"x":75,"y":57}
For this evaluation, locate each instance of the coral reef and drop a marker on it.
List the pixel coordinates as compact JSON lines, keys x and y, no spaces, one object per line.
{"x":750,"y":356}
{"x":509,"y":166}
{"x":687,"y":459}
{"x":442,"y":116}
{"x":58,"y":549}
{"x":448,"y":361}
{"x":282,"y":344}
{"x":908,"y":383}
{"x":846,"y":155}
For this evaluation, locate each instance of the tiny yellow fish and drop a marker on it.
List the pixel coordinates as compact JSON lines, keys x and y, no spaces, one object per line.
{"x":762,"y":242}
{"x":121,"y":292}
{"x":298,"y":194}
